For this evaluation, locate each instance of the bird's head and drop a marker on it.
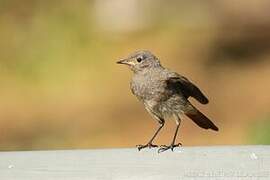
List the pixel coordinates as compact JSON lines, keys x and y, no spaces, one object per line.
{"x":140,"y":60}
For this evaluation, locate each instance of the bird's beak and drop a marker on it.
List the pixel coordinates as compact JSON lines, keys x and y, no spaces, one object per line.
{"x":123,"y":61}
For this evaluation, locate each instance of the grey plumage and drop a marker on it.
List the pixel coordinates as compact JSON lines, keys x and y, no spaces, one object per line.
{"x":164,"y":93}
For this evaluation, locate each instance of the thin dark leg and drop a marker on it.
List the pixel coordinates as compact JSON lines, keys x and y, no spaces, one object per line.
{"x":156,"y":133}
{"x":150,"y":143}
{"x":173,"y":145}
{"x":175,"y":134}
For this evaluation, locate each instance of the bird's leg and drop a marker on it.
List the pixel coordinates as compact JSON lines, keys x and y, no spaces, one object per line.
{"x":150,"y":143}
{"x":173,"y":145}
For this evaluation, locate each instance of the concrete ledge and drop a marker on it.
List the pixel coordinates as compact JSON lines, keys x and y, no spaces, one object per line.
{"x":216,"y":162}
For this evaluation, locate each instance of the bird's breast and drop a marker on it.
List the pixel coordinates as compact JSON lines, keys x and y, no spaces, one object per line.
{"x":146,"y":86}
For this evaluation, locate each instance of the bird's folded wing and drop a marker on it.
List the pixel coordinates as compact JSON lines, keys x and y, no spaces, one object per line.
{"x":182,"y":84}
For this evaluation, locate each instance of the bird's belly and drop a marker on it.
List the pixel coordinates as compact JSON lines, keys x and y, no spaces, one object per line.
{"x":166,"y":108}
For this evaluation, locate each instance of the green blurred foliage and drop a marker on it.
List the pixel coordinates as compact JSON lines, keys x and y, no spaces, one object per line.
{"x":259,"y":132}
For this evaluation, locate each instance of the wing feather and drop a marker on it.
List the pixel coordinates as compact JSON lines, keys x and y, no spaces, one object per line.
{"x":182,"y":84}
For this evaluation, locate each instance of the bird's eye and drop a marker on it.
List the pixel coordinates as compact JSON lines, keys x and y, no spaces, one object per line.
{"x":139,"y":59}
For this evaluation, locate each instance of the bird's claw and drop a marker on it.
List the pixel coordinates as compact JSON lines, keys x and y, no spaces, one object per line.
{"x":165,"y":147}
{"x":149,"y":145}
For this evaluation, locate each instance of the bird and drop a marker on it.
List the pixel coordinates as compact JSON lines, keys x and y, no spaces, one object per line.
{"x":164,"y":94}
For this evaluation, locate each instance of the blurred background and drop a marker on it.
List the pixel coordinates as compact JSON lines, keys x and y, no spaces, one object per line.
{"x":61,"y":88}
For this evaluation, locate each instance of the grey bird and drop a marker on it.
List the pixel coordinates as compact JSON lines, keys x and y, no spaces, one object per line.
{"x":164,"y":94}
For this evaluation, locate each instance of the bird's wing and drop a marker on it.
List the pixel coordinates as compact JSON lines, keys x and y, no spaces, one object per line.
{"x":182,"y":84}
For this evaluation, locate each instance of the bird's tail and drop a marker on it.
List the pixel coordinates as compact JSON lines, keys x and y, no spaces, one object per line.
{"x":199,"y":118}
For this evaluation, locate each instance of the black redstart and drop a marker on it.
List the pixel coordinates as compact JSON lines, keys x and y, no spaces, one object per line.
{"x":164,"y":93}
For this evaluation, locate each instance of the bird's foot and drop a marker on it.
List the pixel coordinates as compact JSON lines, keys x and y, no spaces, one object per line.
{"x":165,"y":147}
{"x":149,"y":145}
